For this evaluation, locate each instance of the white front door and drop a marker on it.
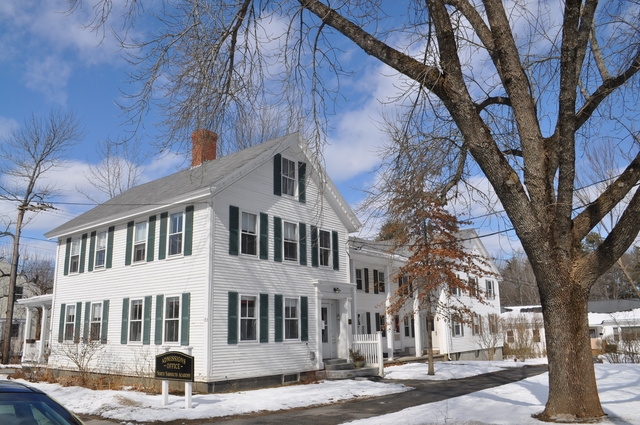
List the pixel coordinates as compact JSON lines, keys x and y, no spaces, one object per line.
{"x":329,"y":334}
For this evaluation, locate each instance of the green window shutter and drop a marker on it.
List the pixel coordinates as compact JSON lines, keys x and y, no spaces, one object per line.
{"x":377,"y":322}
{"x":162,"y":243}
{"x":368,"y":322}
{"x":63,"y":310}
{"x":264,"y":236}
{"x":234,"y":229}
{"x":159,"y":306}
{"x":304,"y":319}
{"x":67,"y":255}
{"x":336,"y":250}
{"x":185,"y":314}
{"x":129,"y":248}
{"x":366,"y":280}
{"x":264,"y":317}
{"x":278,"y":317}
{"x":314,"y":246}
{"x":76,"y":331}
{"x":104,"y":329}
{"x":92,"y":251}
{"x":109,"y":261}
{"x":277,"y":175}
{"x":277,"y":239}
{"x":188,"y":230}
{"x":87,"y":319}
{"x":302,"y":182}
{"x":151,"y":239}
{"x":83,"y":250}
{"x":146,"y":321}
{"x":124,"y":330}
{"x":232,"y":319}
{"x":376,"y":285}
{"x":302,"y":229}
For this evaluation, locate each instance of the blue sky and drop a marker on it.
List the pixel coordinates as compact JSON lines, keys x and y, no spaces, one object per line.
{"x":49,"y":59}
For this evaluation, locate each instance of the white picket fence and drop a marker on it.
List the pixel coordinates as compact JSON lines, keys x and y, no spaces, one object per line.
{"x":371,"y":347}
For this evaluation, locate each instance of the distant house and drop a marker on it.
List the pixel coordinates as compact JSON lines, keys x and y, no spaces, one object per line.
{"x":523,"y":331}
{"x":614,"y":327}
{"x":19,"y":313}
{"x":374,"y":270}
{"x":241,"y":259}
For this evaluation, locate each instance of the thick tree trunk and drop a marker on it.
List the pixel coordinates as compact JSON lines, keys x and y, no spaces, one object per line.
{"x":573,"y":393}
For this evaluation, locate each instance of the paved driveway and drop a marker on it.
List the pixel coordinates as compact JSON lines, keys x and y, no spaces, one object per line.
{"x":424,"y":392}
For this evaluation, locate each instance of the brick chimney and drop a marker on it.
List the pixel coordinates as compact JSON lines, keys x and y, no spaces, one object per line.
{"x":204,"y":145}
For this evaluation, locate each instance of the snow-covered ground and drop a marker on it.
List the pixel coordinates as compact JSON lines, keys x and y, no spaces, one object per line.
{"x":619,"y":386}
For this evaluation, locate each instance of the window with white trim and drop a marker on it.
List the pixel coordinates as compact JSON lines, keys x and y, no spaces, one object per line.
{"x":290,"y":238}
{"x":473,"y":286}
{"x":288,"y":177}
{"x":491,"y":290}
{"x":74,"y":259}
{"x":324,"y":243}
{"x":407,"y":326}
{"x":135,"y":320}
{"x":140,"y":242}
{"x":95,"y":324}
{"x":457,"y":329}
{"x":248,"y":319}
{"x":477,"y":324}
{"x":101,"y":249}
{"x":172,"y":319}
{"x":249,"y":234}
{"x":291,"y":319}
{"x":175,"y":233}
{"x":69,"y":322}
{"x":494,"y":324}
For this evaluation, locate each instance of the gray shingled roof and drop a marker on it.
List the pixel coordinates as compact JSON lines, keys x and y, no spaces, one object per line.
{"x":162,"y":191}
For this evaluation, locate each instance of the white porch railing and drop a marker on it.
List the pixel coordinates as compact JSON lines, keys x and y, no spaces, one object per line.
{"x":370,"y":346}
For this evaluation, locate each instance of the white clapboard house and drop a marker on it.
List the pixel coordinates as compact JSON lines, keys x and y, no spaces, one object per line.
{"x":374,"y":270}
{"x":242,"y":259}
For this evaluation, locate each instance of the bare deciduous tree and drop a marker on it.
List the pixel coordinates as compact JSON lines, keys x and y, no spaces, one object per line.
{"x":119,"y":169}
{"x":26,"y":156}
{"x":555,"y":77}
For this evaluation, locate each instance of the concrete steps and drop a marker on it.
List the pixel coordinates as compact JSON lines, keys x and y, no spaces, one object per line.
{"x":342,"y":369}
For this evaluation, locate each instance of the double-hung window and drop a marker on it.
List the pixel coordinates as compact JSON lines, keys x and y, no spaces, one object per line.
{"x":140,"y":242}
{"x":96,"y":322}
{"x":457,"y":329}
{"x":359,"y":279}
{"x":172,"y":319}
{"x":325,"y":247}
{"x":101,"y":249}
{"x":69,"y":322}
{"x":249,"y":234}
{"x":494,"y":324}
{"x":74,"y":259}
{"x":175,"y":233}
{"x":291,"y":318}
{"x":288,"y":177}
{"x":248,"y":319}
{"x":477,"y":324}
{"x":135,"y":321}
{"x":379,"y":284}
{"x":290,"y":241}
{"x":473,"y":286}
{"x":491,"y":290}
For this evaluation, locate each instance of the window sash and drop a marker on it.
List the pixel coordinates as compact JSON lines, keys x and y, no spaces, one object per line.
{"x":490,"y":290}
{"x":74,"y":258}
{"x":172,"y":319}
{"x":325,"y":247}
{"x":249,"y":234}
{"x":96,"y":322}
{"x":288,"y":177}
{"x":69,"y":322}
{"x":291,"y":328}
{"x":101,"y":249}
{"x":290,"y":241}
{"x":135,"y":320}
{"x":248,"y":319}
{"x":175,"y":233}
{"x":140,"y":242}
